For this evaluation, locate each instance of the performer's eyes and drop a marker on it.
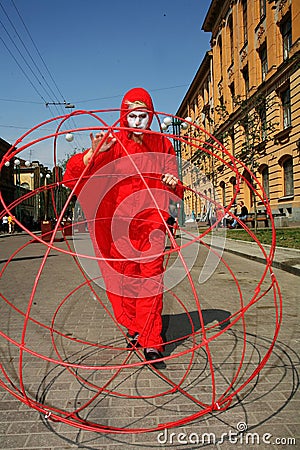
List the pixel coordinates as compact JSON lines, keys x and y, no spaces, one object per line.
{"x":134,"y":116}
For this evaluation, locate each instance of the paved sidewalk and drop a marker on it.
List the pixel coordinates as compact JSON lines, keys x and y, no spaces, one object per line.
{"x":109,"y":388}
{"x":287,"y":259}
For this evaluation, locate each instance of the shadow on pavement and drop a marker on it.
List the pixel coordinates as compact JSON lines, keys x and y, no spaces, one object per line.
{"x":178,"y":327}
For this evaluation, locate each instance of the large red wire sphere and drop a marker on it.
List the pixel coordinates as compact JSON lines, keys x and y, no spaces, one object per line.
{"x":58,"y":320}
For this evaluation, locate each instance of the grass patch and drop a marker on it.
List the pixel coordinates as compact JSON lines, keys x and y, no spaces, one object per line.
{"x":285,"y":237}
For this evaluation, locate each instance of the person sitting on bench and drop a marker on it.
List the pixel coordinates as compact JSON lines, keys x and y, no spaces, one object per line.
{"x":242,"y":216}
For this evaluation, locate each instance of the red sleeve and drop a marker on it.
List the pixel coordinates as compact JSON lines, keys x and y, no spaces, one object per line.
{"x":75,"y":167}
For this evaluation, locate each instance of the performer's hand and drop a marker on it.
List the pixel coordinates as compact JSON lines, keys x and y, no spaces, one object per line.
{"x":170,"y":180}
{"x":95,"y":140}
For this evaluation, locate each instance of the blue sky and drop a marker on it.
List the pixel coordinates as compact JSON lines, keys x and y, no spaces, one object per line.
{"x":89,"y":53}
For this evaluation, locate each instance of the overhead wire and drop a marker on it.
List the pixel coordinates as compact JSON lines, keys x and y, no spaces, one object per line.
{"x":37,"y":50}
{"x":38,"y":75}
{"x":33,"y":72}
{"x":28,"y":53}
{"x":22,"y":70}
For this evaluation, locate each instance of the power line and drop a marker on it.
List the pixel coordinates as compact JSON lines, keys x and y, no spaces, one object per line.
{"x":20,"y":101}
{"x":95,"y":99}
{"x":37,"y":50}
{"x":35,"y":74}
{"x":28,"y":53}
{"x":21,"y":68}
{"x":121,"y":95}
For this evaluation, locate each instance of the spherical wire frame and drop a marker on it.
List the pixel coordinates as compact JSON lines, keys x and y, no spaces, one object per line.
{"x":201,"y":339}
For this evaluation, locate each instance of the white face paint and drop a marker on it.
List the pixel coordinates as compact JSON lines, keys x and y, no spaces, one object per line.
{"x":138,"y":119}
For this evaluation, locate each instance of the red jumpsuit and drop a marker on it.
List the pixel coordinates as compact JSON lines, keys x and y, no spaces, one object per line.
{"x":126,"y":206}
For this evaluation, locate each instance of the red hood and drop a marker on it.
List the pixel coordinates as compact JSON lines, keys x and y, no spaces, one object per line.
{"x":136,"y":94}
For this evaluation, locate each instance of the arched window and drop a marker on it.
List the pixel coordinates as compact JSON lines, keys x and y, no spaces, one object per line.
{"x":264,"y":171}
{"x":25,"y":185}
{"x":223,"y":192}
{"x":233,"y":182}
{"x":288,"y":176}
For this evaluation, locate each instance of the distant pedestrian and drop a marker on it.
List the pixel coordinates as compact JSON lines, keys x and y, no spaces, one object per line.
{"x":11,"y":224}
{"x":5,"y":224}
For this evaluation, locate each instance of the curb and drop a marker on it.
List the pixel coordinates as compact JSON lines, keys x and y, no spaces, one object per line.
{"x":276,"y":264}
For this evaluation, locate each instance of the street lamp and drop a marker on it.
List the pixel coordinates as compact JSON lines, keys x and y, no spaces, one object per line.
{"x":46,"y":224}
{"x":17,"y":169}
{"x":46,"y":196}
{"x":177,"y":125}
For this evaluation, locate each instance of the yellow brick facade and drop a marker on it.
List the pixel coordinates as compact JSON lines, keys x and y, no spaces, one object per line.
{"x":246,"y":93}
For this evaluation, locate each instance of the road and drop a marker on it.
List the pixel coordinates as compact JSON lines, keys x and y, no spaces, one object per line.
{"x":70,"y":321}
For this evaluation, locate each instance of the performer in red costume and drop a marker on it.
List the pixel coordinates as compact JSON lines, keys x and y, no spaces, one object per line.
{"x":127,"y":181}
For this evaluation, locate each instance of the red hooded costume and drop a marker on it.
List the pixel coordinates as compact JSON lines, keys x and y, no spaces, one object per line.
{"x":126,"y":206}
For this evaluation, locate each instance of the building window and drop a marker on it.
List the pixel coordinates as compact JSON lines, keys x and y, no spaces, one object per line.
{"x":263,"y":120}
{"x":233,"y":183}
{"x":263,"y":61}
{"x":232,"y":93}
{"x":231,"y":134}
{"x":221,"y":100}
{"x":245,"y":20}
{"x":25,"y":185}
{"x":286,"y":33}
{"x":223,"y":192}
{"x":220,"y":45}
{"x":246,"y":79}
{"x":286,"y":108}
{"x":288,"y":176}
{"x":262,"y":7}
{"x":230,"y":25}
{"x":265,"y":180}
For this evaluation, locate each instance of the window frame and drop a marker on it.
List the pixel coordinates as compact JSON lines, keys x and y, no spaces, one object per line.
{"x":245,"y":73}
{"x":245,"y":20}
{"x":231,"y":37}
{"x":262,"y":9}
{"x":288,"y":176}
{"x":285,"y":97}
{"x":286,"y":34}
{"x":265,"y":178}
{"x":263,"y":56}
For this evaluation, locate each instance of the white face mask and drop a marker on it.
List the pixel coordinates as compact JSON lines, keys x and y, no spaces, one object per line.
{"x":138,"y":119}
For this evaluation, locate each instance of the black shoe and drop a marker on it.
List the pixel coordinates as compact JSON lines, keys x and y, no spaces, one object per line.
{"x":153,"y":355}
{"x":133,"y":344}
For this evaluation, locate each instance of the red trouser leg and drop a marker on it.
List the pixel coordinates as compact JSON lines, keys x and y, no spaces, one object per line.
{"x":121,"y":291}
{"x":135,"y":285}
{"x":140,"y":314}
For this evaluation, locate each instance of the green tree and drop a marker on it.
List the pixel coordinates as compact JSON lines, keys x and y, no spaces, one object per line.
{"x":258,"y":129}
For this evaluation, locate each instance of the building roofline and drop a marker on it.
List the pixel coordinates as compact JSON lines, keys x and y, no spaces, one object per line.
{"x":212,"y":14}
